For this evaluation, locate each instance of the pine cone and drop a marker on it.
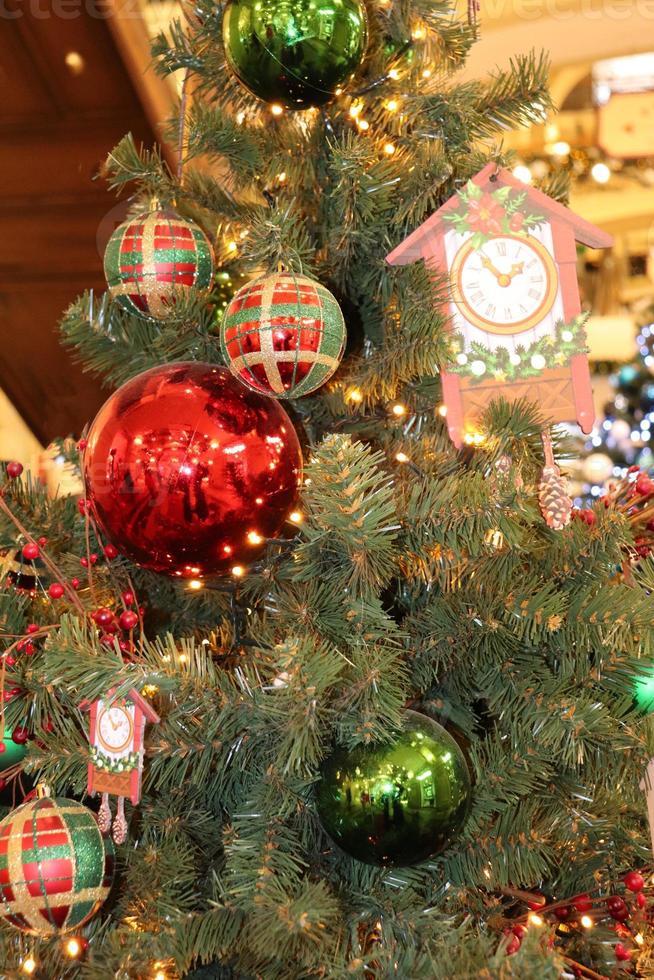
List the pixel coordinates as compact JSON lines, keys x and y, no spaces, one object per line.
{"x":555,"y":504}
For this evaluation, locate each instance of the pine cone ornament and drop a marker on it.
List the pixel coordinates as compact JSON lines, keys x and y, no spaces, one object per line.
{"x":555,"y":504}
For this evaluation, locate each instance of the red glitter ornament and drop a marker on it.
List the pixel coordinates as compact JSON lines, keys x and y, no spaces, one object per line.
{"x":187,"y":470}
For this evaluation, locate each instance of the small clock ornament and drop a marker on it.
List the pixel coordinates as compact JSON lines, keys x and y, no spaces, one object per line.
{"x":24,"y":574}
{"x":55,"y":868}
{"x":513,"y":304}
{"x":154,"y":258}
{"x":116,"y":765}
{"x":283,"y":335}
{"x":400,"y":802}
{"x":297,"y":53}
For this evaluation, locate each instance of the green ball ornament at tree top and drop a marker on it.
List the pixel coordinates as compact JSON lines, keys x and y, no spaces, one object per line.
{"x":295,"y":52}
{"x":12,"y":753}
{"x":400,"y":802}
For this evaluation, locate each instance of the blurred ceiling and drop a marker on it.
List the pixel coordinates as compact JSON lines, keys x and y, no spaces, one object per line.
{"x":67,"y":99}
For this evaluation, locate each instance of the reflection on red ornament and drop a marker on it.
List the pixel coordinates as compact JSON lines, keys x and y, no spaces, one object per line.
{"x":175,"y":462}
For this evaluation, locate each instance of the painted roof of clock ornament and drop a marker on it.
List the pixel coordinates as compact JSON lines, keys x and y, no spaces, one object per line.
{"x":133,"y":695}
{"x":490,"y":178}
{"x":513,"y":306}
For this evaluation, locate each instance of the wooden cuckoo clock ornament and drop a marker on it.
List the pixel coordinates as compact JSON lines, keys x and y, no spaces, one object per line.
{"x":116,"y":765}
{"x":513,"y":304}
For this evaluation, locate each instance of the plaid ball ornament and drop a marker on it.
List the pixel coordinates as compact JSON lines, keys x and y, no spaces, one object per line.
{"x":151,"y":259}
{"x":283,"y":335}
{"x":55,"y":868}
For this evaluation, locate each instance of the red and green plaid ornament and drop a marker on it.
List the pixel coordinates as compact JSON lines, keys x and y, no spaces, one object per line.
{"x":151,"y":259}
{"x":283,"y":335}
{"x":55,"y":868}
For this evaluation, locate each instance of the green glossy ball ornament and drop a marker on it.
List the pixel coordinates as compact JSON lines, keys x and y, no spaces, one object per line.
{"x":295,"y":52}
{"x":12,"y":753}
{"x":644,"y":692}
{"x":400,"y":802}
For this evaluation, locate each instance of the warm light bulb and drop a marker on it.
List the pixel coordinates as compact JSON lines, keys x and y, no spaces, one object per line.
{"x":195,"y":584}
{"x":389,"y":149}
{"x":426,"y":73}
{"x":231,"y":246}
{"x":75,"y":62}
{"x":601,"y":173}
{"x":159,"y":975}
{"x":399,"y":410}
{"x":276,"y":109}
{"x":355,"y":396}
{"x":282,"y":177}
{"x":363,"y":124}
{"x":29,"y":965}
{"x":254,"y":537}
{"x":73,"y":947}
{"x":401,"y":457}
{"x":523,"y":173}
{"x":638,"y":938}
{"x":392,"y":105}
{"x":394,"y":74}
{"x":587,"y":922}
{"x":442,"y":411}
{"x":238,"y":571}
{"x":295,"y":516}
{"x":240,"y":117}
{"x":355,"y":109}
{"x":561,"y":148}
{"x":535,"y":920}
{"x":419,"y":33}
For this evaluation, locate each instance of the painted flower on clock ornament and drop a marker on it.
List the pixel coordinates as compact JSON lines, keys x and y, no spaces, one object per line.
{"x":485,"y":215}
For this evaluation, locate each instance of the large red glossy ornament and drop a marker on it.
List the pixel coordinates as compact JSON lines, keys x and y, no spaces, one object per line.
{"x":187,"y":469}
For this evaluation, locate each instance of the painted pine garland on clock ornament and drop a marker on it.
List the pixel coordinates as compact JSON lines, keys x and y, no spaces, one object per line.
{"x":154,"y":258}
{"x":512,"y":307}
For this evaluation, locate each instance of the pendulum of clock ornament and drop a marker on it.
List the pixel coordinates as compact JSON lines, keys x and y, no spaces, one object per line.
{"x":513,"y":305}
{"x":116,"y":764}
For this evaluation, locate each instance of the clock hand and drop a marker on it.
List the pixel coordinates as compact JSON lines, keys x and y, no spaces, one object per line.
{"x":487,"y":264}
{"x":516,"y":268}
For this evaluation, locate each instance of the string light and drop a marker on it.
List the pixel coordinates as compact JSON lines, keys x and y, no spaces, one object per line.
{"x":29,"y":965}
{"x":561,"y":148}
{"x":392,"y":105}
{"x":442,"y":411}
{"x":474,"y":438}
{"x":601,"y":173}
{"x":535,"y":920}
{"x":238,"y":571}
{"x":399,"y":410}
{"x":394,"y":74}
{"x":389,"y":149}
{"x":355,"y":109}
{"x":587,"y":922}
{"x":355,"y":396}
{"x":231,"y":246}
{"x":523,"y":173}
{"x":195,"y":584}
{"x":426,"y":73}
{"x":254,"y":537}
{"x":418,"y":34}
{"x":638,"y":938}
{"x":240,"y":118}
{"x":159,"y":975}
{"x":282,"y":177}
{"x":73,"y":947}
{"x":401,"y":457}
{"x":295,"y":516}
{"x":276,"y":109}
{"x":363,"y":124}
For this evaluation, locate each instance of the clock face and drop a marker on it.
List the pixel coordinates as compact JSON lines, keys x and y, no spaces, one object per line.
{"x":115,"y":728}
{"x":506,"y":286}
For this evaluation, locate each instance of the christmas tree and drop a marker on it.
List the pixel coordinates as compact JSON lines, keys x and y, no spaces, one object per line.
{"x":349,"y":704}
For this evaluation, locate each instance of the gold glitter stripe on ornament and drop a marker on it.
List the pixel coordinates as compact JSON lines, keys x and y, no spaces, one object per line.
{"x":23,"y":903}
{"x":153,"y":301}
{"x":306,"y":357}
{"x":268,"y":355}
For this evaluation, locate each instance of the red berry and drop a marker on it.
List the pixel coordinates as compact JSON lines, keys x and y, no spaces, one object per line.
{"x":102,"y":616}
{"x":128,"y":620}
{"x":128,"y":598}
{"x":56,"y":590}
{"x":93,"y":558}
{"x":516,"y":221}
{"x":590,"y":517}
{"x":3,"y":783}
{"x":75,"y":582}
{"x":110,"y":552}
{"x":582,"y":903}
{"x":19,"y":735}
{"x":3,"y":747}
{"x":82,"y":444}
{"x":32,"y":628}
{"x":520,"y":930}
{"x":82,"y":505}
{"x":14,"y":469}
{"x":641,"y":900}
{"x":29,"y":648}
{"x":48,"y":726}
{"x":43,"y":541}
{"x":20,"y":645}
{"x":84,"y":562}
{"x":621,"y":952}
{"x":142,"y":614}
{"x":513,"y":946}
{"x":10,"y":661}
{"x":107,"y":640}
{"x":7,"y":695}
{"x":633,"y":469}
{"x":125,"y":646}
{"x":634,"y":881}
{"x":562,"y":913}
{"x":30,"y":551}
{"x":534,"y":906}
{"x":111,"y":627}
{"x":644,"y":485}
{"x":618,"y":908}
